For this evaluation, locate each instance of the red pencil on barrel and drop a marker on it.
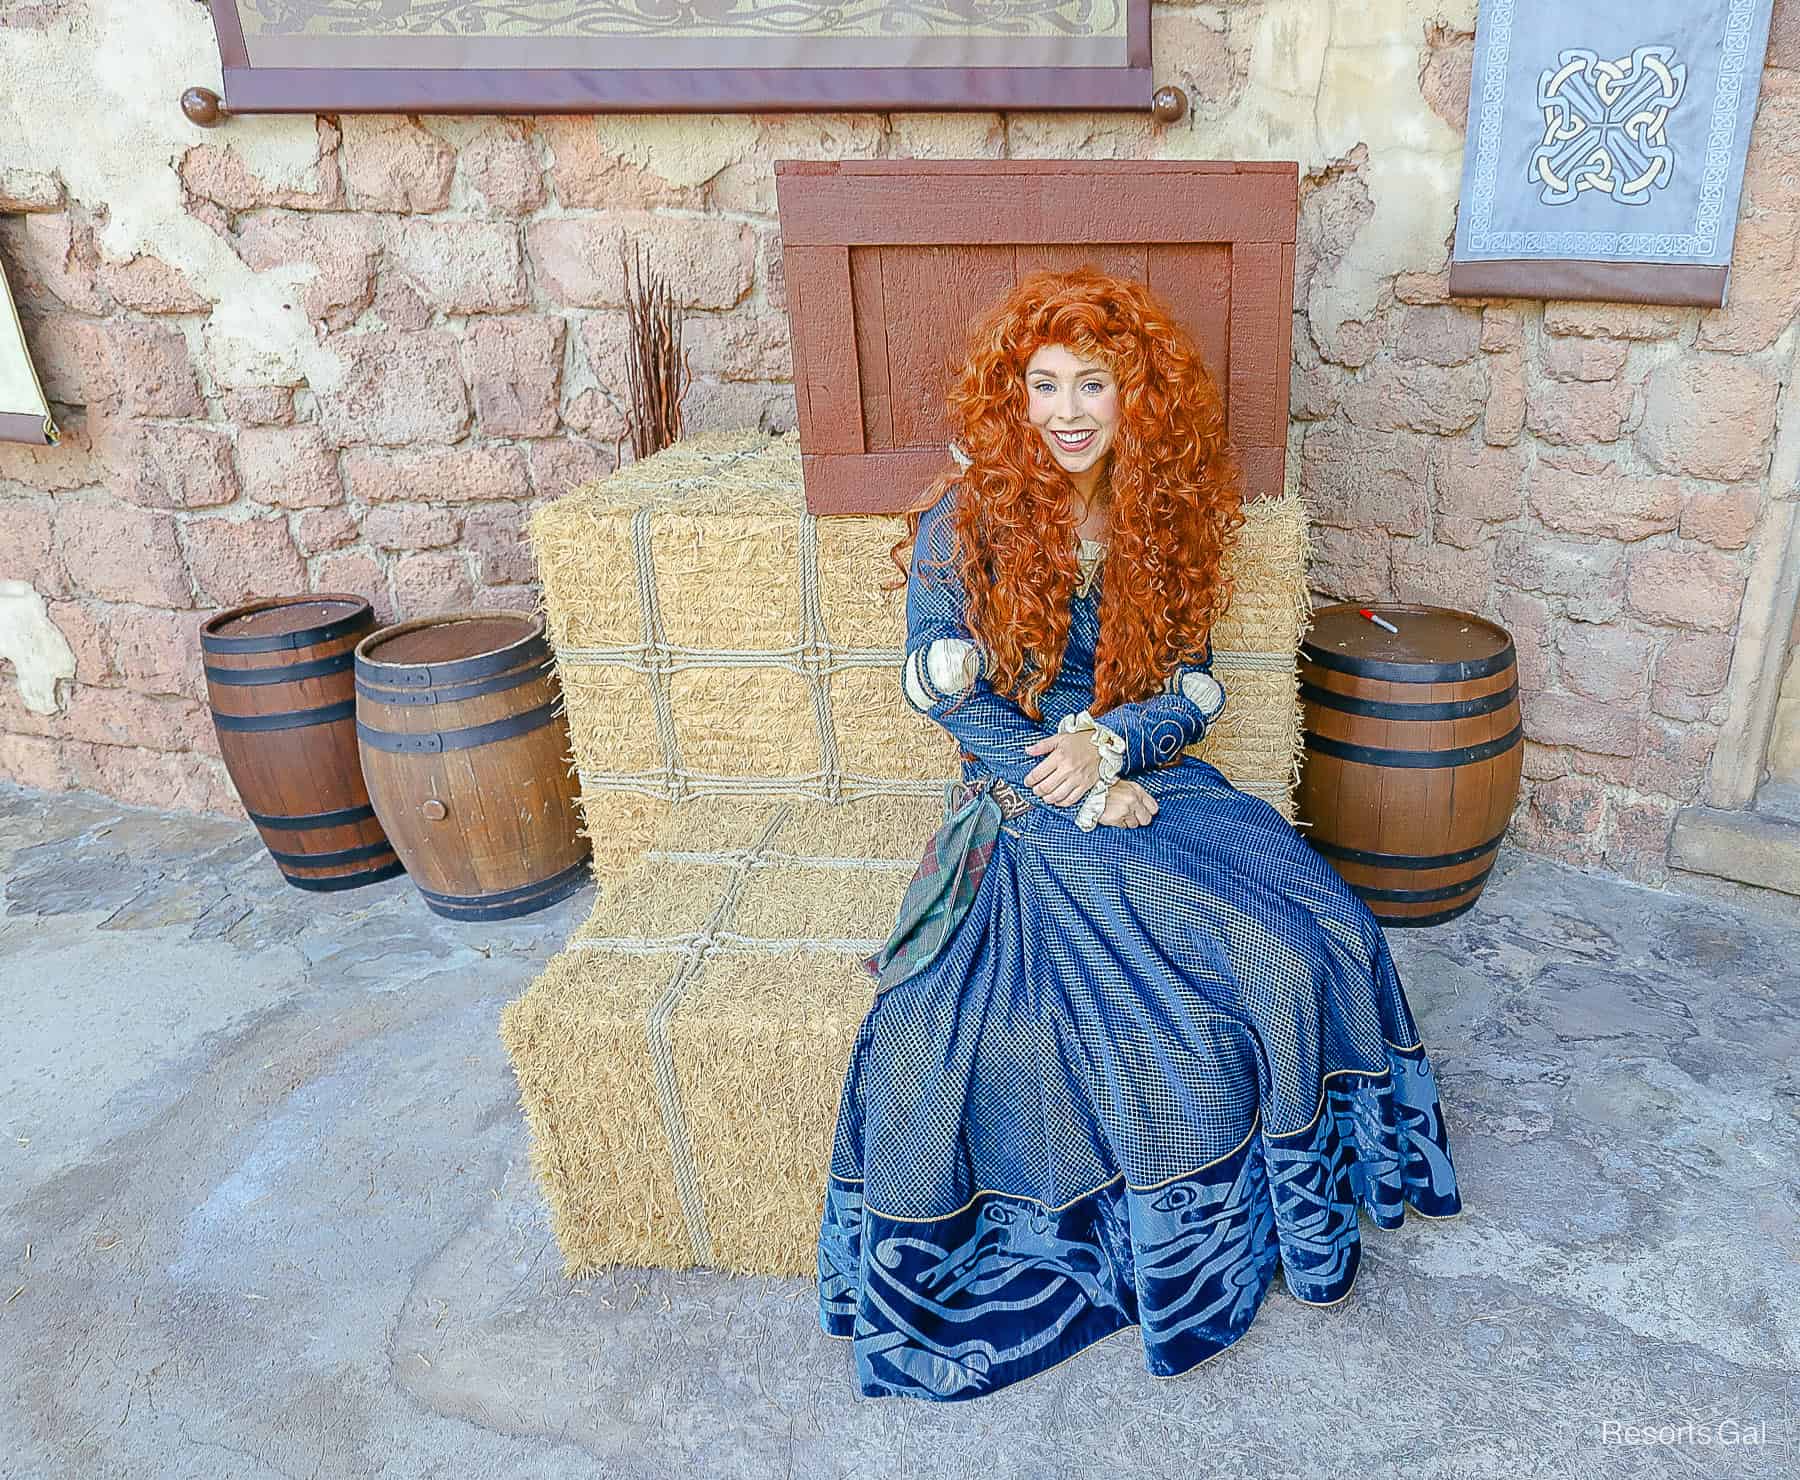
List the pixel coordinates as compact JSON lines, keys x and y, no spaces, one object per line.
{"x":1378,"y":621}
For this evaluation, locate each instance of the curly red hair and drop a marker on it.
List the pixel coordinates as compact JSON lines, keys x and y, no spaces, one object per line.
{"x":1177,"y":498}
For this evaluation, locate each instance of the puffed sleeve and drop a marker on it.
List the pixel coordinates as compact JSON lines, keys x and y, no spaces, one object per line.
{"x":1159,"y":728}
{"x":945,"y":672}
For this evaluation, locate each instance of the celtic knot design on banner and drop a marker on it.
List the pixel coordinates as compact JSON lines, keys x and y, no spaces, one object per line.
{"x":1605,"y":125}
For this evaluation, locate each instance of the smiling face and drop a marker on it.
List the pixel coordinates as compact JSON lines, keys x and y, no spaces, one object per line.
{"x":1073,"y":403}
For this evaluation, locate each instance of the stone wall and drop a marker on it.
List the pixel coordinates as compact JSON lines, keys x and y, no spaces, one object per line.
{"x":352,"y":353}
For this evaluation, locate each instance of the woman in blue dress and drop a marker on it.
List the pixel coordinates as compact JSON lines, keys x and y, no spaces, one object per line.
{"x":1134,"y":1042}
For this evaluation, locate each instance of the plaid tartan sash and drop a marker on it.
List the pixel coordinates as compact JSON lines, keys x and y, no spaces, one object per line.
{"x":948,"y":876}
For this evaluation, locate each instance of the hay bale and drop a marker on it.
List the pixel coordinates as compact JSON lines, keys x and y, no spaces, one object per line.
{"x":680,"y":1062}
{"x":714,"y":640}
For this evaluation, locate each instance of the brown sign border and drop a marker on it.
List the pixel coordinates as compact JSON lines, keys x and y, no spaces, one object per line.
{"x":251,"y":89}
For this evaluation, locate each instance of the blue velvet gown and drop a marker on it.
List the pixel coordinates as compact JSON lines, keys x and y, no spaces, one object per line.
{"x":1146,"y":1066}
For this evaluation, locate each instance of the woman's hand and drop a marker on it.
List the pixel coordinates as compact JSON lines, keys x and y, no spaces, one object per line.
{"x":1127,"y":805}
{"x":1069,"y":768}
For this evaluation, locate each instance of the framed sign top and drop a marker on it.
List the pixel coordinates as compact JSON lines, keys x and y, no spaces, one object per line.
{"x":596,"y":56}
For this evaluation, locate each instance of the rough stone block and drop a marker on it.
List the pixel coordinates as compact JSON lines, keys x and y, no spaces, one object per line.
{"x":1441,"y":575}
{"x":454,"y":475}
{"x":1709,"y":416}
{"x":1725,"y":517}
{"x":341,"y":250}
{"x":1614,"y":320}
{"x":514,"y":366}
{"x":166,"y":467}
{"x":1354,"y":478}
{"x":392,"y":164}
{"x":1475,"y":482}
{"x":1583,"y":359}
{"x":120,"y":552}
{"x":708,"y":262}
{"x":144,"y":370}
{"x":1574,"y":414}
{"x":318,"y":530}
{"x":1577,"y":495}
{"x":1609,"y":663}
{"x":1685,"y":588}
{"x":150,"y":285}
{"x":410,"y":527}
{"x":502,"y":166}
{"x":462,"y":267}
{"x":1421,"y":397}
{"x":397,"y":388}
{"x":566,"y":462}
{"x":427,"y":585}
{"x":235,"y":560}
{"x":1351,"y":564}
{"x":1440,"y":335}
{"x":1554,"y":718}
{"x":289,"y":467}
{"x":1503,"y":418}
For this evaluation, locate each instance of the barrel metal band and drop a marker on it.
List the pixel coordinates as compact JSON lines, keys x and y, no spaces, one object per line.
{"x":1374,"y":755}
{"x":1423,"y":896}
{"x":292,"y":719}
{"x":478,"y":905}
{"x":1390,"y":709}
{"x":432,"y":742}
{"x":453,"y":670}
{"x":453,"y":693}
{"x":1406,"y":860}
{"x":1398,"y":672}
{"x":276,"y":642}
{"x":332,"y":860}
{"x":292,"y":821}
{"x":332,"y":883}
{"x":1403,"y":922}
{"x":282,"y":673}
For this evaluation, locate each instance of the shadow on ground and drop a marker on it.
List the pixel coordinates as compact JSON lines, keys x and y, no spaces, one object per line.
{"x":267,"y":1210}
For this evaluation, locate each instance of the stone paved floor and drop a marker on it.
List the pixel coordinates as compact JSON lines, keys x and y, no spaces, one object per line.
{"x":267,"y":1211}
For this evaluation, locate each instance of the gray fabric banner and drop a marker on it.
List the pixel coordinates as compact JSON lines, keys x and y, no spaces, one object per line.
{"x":1612,"y":131}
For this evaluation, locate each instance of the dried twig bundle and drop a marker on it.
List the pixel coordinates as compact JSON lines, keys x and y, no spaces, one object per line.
{"x":654,"y":360}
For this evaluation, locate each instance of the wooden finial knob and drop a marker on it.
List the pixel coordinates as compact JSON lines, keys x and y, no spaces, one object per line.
{"x":1168,"y":105}
{"x":204,"y":107}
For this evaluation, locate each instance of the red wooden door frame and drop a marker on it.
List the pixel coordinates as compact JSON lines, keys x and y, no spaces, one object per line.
{"x":1171,"y":210}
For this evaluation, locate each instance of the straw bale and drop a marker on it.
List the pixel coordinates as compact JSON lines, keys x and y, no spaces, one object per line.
{"x":854,"y":567}
{"x":745,"y":721}
{"x":761,"y":1042}
{"x":759,"y":1036}
{"x":728,"y":571}
{"x":870,"y":827}
{"x":598,"y":1146}
{"x":879,"y":734}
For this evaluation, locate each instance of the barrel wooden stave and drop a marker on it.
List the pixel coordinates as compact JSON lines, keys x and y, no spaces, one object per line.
{"x":488,"y":830}
{"x":1416,"y":841}
{"x":302,"y":784}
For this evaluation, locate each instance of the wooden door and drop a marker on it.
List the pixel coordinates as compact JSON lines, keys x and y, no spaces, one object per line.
{"x":887,"y":262}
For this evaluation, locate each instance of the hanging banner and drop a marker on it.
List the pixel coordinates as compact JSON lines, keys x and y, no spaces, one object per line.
{"x":1605,"y":148}
{"x":24,"y":413}
{"x":589,"y":56}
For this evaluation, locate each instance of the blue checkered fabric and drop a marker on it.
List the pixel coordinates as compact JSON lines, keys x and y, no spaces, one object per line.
{"x":1149,"y":1065}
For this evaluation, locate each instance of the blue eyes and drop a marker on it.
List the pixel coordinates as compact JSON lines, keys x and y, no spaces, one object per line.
{"x":1044,"y":387}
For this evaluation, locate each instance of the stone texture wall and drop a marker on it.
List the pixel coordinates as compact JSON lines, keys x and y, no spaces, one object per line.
{"x":352,"y":353}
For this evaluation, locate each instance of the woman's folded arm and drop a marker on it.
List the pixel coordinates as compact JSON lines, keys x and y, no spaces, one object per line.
{"x":1158,"y":729}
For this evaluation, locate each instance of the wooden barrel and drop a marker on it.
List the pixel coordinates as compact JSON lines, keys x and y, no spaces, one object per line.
{"x":1413,"y":750}
{"x":279,"y":676}
{"x":467,"y":758}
